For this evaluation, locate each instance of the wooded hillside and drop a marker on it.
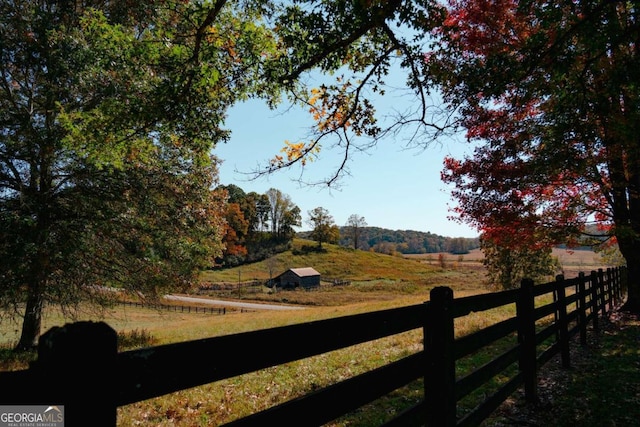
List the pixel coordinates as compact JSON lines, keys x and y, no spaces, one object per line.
{"x":403,"y":241}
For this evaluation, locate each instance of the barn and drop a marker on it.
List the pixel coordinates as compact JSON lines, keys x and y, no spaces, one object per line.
{"x":306,"y":277}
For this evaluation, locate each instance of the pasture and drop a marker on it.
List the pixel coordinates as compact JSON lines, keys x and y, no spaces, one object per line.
{"x":226,"y":400}
{"x":377,"y":282}
{"x":571,"y":261}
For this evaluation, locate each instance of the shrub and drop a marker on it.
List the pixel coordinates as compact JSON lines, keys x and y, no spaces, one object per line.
{"x":135,"y":339}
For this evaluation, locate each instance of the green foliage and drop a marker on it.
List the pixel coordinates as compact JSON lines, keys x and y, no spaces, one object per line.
{"x":248,"y":217}
{"x":135,"y":338}
{"x":405,"y":241}
{"x":109,"y":113}
{"x":283,"y":214}
{"x":353,"y":229}
{"x":355,"y":45}
{"x":323,"y":227}
{"x":507,"y":266}
{"x":610,"y":254}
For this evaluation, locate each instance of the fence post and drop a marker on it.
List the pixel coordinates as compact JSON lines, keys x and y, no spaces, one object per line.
{"x":616,"y":284}
{"x":594,"y":300}
{"x":563,"y":324}
{"x":439,"y":382}
{"x":611,"y":281}
{"x":608,"y":304}
{"x":525,"y":306}
{"x":77,"y":366}
{"x":603,"y":294}
{"x":582,"y":309}
{"x":622,"y":275}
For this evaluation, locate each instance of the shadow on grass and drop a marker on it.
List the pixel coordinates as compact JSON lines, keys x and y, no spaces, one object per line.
{"x":308,"y":249}
{"x":601,"y":389}
{"x":604,"y":387}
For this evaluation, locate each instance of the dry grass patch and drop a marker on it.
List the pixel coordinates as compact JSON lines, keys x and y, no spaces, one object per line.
{"x":335,"y":262}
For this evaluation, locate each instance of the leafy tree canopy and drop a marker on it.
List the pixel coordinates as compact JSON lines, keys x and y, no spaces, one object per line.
{"x":323,"y":226}
{"x":551,"y":92}
{"x":109,"y":111}
{"x":507,"y":266}
{"x":355,"y":45}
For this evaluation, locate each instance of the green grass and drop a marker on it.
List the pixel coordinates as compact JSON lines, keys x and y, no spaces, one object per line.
{"x":223,"y":401}
{"x":405,"y":282}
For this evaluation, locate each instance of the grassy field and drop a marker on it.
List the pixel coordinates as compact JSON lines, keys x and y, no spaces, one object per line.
{"x":571,"y":261}
{"x":377,"y":282}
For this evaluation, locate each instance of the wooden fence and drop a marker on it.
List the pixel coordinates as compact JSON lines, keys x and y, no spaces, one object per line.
{"x":177,"y":308}
{"x":78,"y":365}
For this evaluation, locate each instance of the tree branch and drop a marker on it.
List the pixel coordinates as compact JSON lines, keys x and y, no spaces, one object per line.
{"x":390,"y":7}
{"x":200,"y":33}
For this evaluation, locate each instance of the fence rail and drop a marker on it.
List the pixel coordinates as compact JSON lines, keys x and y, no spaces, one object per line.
{"x":176,"y":308}
{"x":78,"y":365}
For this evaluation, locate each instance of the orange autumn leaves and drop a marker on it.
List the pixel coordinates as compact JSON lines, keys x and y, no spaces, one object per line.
{"x":328,"y":116}
{"x":334,"y":109}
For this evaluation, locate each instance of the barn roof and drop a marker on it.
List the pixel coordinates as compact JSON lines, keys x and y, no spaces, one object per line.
{"x":304,"y":272}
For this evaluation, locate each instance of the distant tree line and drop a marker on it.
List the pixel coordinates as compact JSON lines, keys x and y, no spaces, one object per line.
{"x":258,"y":226}
{"x":387,"y":241}
{"x":406,"y":241}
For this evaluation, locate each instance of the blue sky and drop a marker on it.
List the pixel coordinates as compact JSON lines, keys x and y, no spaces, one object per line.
{"x":390,"y":186}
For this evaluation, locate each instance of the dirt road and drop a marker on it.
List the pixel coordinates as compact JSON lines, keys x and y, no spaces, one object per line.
{"x":238,"y":304}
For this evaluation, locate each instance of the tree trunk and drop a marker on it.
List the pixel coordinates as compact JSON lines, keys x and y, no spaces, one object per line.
{"x":32,"y":322}
{"x":630,"y":249}
{"x":626,"y":214}
{"x":356,"y":233}
{"x":37,"y":284}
